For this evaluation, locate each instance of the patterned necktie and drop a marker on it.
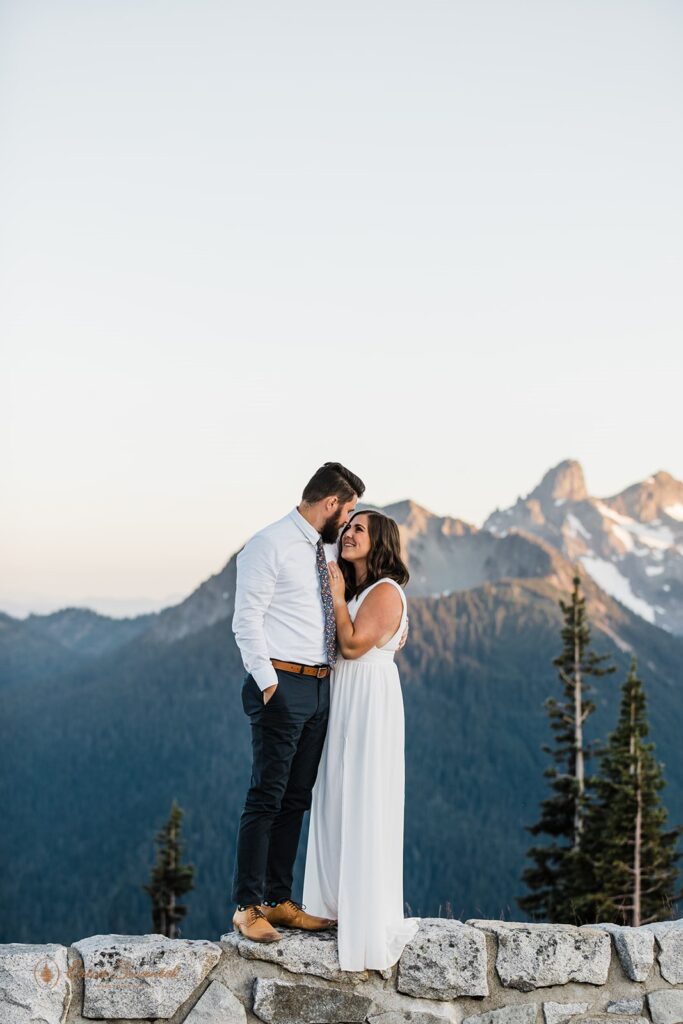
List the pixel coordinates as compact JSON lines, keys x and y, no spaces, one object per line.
{"x":328,"y":606}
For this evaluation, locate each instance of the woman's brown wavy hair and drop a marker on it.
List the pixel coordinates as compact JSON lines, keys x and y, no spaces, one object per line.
{"x":384,"y":557}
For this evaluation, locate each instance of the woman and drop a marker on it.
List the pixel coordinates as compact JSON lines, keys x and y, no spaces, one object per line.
{"x":354,"y":858}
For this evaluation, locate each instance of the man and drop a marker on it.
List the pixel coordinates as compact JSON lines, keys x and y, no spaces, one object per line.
{"x":285,"y":629}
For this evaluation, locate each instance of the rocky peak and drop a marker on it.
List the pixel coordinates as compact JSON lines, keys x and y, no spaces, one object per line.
{"x":408,"y":513}
{"x":564,"y":482}
{"x":414,"y":521}
{"x":660,"y":494}
{"x":630,"y":544}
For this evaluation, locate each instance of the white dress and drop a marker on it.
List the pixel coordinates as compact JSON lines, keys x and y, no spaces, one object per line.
{"x":354,"y":857}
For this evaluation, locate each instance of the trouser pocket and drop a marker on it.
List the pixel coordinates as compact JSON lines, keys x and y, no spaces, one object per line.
{"x":251,"y":695}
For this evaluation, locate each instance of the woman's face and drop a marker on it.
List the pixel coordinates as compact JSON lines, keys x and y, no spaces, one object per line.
{"x":355,"y":541}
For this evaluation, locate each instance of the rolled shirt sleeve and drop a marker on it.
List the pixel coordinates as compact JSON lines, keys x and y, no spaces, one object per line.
{"x":257,"y":569}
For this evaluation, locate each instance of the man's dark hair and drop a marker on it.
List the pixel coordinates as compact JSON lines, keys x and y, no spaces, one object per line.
{"x":333,"y":479}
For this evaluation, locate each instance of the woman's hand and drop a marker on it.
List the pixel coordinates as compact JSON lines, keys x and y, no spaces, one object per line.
{"x":337,"y":582}
{"x":404,"y":636}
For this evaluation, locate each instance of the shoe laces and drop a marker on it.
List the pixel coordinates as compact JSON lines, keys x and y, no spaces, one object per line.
{"x":298,"y":906}
{"x":254,"y":913}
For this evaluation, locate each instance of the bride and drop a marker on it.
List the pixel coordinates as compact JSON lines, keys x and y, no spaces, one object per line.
{"x":354,"y":857}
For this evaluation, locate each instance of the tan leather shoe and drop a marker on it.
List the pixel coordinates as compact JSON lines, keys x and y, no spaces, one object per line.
{"x":289,"y":914}
{"x":253,"y":924}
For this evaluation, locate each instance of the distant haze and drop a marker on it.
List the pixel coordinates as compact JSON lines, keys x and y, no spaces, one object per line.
{"x":438,"y":242}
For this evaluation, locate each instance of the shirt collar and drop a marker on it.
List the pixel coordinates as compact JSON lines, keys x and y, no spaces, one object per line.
{"x":309,"y":532}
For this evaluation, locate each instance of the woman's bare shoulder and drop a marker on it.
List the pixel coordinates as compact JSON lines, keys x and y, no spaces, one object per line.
{"x":384,"y":594}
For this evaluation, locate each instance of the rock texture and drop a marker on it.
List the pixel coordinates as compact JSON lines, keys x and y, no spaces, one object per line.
{"x":288,"y":1002}
{"x":521,"y":1014}
{"x":536,"y":956}
{"x":472,"y":972}
{"x":446,"y":959}
{"x":295,"y":952}
{"x":665,"y":1006}
{"x":142,"y":975}
{"x":217,"y":1004}
{"x":669,"y":936}
{"x":635,"y":947}
{"x":554,"y":1013}
{"x":632,"y":1006}
{"x":34,"y":984}
{"x":405,"y":1017}
{"x":603,"y":1019}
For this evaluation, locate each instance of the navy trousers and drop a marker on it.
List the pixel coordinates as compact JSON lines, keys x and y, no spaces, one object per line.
{"x":287,"y":736}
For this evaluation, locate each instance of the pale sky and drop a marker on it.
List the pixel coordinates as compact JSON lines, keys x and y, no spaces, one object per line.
{"x":439,"y":242}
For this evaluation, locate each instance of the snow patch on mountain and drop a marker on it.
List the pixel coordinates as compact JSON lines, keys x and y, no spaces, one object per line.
{"x":675,"y":511}
{"x":575,"y":526}
{"x":631,"y":543}
{"x":607,"y":576}
{"x":622,"y":535}
{"x":652,"y":535}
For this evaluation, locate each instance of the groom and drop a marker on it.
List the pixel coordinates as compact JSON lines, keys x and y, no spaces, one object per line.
{"x":285,"y":629}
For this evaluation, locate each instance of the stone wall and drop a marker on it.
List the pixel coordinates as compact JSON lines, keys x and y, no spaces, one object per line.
{"x":476,"y":972}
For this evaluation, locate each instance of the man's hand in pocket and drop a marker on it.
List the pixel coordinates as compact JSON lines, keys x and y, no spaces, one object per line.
{"x":268,"y":692}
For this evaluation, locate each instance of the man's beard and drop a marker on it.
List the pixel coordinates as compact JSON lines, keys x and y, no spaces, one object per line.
{"x":330,"y":530}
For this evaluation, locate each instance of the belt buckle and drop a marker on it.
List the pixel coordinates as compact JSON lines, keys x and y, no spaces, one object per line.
{"x":322,"y":672}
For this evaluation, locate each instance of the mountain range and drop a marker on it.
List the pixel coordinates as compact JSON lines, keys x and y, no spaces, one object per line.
{"x":630,"y":543}
{"x":105,"y":721}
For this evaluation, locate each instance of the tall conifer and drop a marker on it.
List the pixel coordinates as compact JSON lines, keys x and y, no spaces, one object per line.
{"x":554,"y":877}
{"x":170,"y":879}
{"x":629,"y":856}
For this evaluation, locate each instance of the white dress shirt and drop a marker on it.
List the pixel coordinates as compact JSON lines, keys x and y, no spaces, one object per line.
{"x":278,"y":604}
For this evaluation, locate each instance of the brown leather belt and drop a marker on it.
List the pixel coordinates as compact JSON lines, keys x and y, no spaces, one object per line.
{"x":319,"y":671}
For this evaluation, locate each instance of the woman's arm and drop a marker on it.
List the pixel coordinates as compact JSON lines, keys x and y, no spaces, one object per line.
{"x":377,"y":620}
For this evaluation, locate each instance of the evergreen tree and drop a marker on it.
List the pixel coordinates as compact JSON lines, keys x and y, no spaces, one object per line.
{"x":170,"y":879}
{"x":555,"y":877}
{"x":630,"y":859}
